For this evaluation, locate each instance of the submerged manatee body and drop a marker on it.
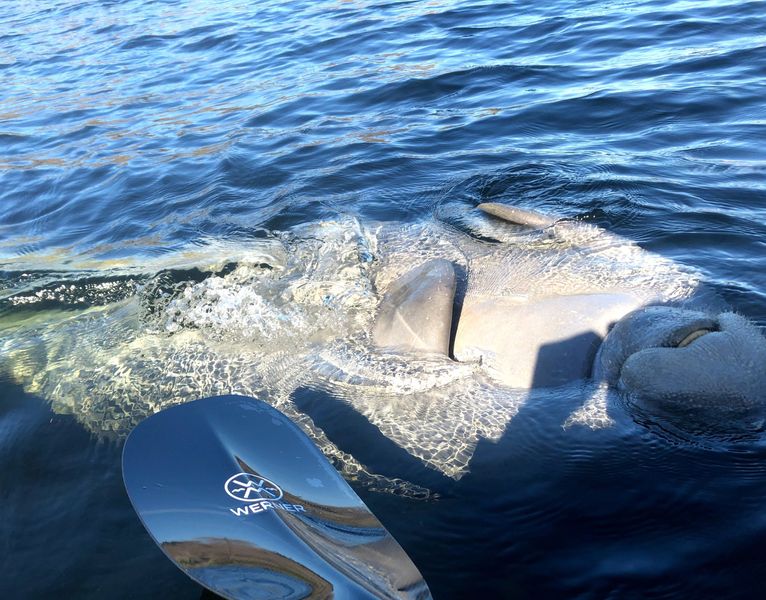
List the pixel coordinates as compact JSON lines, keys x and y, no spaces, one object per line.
{"x":308,"y":311}
{"x":706,"y":366}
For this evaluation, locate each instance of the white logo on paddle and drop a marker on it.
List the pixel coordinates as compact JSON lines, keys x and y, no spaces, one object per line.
{"x":261,"y":495}
{"x":249,"y":488}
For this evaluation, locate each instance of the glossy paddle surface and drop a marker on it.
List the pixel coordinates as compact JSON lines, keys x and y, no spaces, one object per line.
{"x":241,"y":500}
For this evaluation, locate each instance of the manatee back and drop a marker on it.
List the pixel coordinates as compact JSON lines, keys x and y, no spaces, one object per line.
{"x":544,"y":343}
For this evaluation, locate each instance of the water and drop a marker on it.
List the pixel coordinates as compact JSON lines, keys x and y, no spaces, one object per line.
{"x":184,"y":138}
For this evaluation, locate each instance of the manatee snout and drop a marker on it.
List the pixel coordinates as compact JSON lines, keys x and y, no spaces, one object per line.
{"x":683,"y":361}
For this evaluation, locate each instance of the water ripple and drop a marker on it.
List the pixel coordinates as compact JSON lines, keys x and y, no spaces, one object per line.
{"x":133,"y":130}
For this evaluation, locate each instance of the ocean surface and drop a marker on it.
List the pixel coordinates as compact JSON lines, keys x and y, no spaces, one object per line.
{"x":145,"y":145}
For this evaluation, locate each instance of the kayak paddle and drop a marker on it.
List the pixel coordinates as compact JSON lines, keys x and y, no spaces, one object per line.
{"x":242,"y":501}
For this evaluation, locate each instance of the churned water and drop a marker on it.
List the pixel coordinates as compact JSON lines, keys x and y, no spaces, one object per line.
{"x":191,"y":190}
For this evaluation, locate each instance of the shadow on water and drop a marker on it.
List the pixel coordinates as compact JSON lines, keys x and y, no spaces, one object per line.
{"x":66,"y":525}
{"x":353,"y":433}
{"x":455,"y":565}
{"x":509,"y":477}
{"x":548,"y":512}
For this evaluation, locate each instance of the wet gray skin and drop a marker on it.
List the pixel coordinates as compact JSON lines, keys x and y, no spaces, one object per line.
{"x":709,"y":367}
{"x":675,"y":360}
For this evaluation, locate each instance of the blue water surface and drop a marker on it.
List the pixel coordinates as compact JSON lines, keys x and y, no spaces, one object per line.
{"x":133,"y":129}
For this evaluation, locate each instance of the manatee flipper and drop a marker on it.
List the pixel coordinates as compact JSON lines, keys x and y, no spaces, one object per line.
{"x":519,"y":216}
{"x":416,"y":312}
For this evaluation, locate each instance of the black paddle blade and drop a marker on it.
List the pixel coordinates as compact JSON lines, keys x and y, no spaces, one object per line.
{"x":241,"y":500}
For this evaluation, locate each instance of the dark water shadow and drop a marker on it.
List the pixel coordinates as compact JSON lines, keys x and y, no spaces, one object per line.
{"x":353,"y":433}
{"x":493,"y":571}
{"x":67,"y":528}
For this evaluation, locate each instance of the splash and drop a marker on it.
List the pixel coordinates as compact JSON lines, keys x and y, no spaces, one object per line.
{"x":294,"y":312}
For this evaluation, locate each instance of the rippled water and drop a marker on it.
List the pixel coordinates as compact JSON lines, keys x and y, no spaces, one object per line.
{"x":141,"y":137}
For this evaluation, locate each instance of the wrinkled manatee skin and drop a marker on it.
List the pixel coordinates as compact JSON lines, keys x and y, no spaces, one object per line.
{"x":722,"y":372}
{"x":649,"y":327}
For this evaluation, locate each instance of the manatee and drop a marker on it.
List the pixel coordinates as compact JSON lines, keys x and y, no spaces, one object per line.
{"x":550,"y":341}
{"x":707,"y":366}
{"x":410,"y":326}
